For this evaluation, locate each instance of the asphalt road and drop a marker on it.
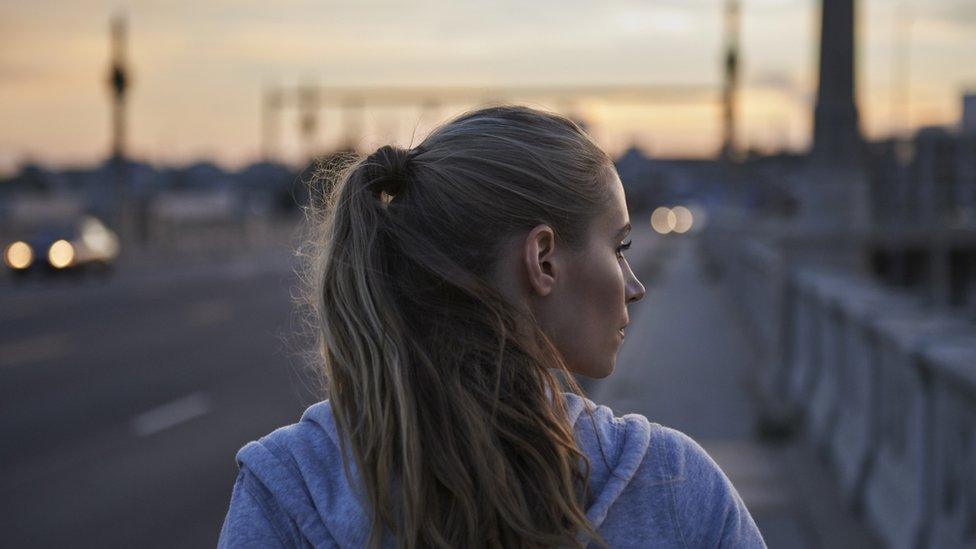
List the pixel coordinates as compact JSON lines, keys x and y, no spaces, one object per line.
{"x":123,"y":402}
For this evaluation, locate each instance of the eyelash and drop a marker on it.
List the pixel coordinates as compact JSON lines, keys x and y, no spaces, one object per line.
{"x":623,"y":247}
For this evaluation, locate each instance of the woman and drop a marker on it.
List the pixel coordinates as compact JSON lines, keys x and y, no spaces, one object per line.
{"x":452,"y":282}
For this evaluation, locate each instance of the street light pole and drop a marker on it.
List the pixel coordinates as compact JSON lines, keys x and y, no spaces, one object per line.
{"x":118,"y":83}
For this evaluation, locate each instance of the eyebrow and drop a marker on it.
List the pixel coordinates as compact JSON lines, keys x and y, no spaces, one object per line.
{"x":623,"y":231}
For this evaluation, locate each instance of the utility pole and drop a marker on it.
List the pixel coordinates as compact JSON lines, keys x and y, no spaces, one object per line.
{"x":353,"y":114}
{"x":729,"y":89}
{"x":118,"y":83}
{"x":308,"y":112}
{"x":270,"y":105}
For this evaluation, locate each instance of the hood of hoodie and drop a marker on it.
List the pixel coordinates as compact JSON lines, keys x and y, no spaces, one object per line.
{"x":301,"y":468}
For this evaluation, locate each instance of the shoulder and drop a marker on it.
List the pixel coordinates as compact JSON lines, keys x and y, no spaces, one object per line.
{"x":312,"y":436}
{"x":287,"y":474}
{"x":672,"y":454}
{"x":706,"y":507}
{"x":685,"y":459}
{"x":662,"y":469}
{"x":627,"y":453}
{"x":665,"y":454}
{"x":599,"y":422}
{"x":305,"y":452}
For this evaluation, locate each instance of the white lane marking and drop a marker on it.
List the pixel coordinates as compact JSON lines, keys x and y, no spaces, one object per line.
{"x":171,"y":414}
{"x":35,"y":349}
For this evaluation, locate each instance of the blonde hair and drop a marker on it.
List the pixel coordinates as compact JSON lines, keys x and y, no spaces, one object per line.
{"x":445,"y":403}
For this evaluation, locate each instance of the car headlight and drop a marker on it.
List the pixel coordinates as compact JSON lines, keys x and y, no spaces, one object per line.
{"x":99,"y":238}
{"x":18,"y":255}
{"x":61,"y":254}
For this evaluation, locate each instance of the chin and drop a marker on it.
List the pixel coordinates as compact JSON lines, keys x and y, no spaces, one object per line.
{"x":596,"y":373}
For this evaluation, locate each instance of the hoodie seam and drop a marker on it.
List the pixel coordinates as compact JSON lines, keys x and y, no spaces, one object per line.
{"x":674,"y":497}
{"x":620,"y":438}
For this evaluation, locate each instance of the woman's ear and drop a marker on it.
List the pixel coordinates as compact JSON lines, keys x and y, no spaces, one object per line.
{"x":539,"y":255}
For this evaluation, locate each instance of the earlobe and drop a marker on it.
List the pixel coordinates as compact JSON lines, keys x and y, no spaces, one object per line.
{"x":539,"y":257}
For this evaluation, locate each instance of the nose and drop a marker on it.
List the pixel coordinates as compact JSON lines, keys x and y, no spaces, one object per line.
{"x":635,"y":290}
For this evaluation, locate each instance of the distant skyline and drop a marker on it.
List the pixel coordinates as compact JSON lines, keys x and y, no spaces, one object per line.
{"x":198,"y":69}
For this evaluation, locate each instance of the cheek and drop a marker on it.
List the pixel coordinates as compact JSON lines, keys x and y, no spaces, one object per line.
{"x":595,"y":313}
{"x":603,"y":290}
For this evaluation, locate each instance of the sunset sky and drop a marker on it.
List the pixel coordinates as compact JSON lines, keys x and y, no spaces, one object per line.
{"x":199,"y":67}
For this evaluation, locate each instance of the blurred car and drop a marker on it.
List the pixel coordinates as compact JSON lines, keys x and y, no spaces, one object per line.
{"x":85,"y":243}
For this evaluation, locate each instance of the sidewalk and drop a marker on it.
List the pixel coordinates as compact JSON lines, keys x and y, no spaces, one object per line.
{"x":685,"y":364}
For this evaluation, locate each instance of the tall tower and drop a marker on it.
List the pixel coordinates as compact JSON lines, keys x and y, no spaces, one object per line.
{"x":836,"y":134}
{"x":834,"y":191}
{"x":731,"y":68}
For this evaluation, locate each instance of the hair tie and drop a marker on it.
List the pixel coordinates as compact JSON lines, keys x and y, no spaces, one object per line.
{"x":387,"y":169}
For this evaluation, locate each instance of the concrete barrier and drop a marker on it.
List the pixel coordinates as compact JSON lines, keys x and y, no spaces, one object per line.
{"x":803,"y":353}
{"x":854,"y":438}
{"x":884,"y":387}
{"x":951,"y":502}
{"x":896,"y":486}
{"x":820,"y":419}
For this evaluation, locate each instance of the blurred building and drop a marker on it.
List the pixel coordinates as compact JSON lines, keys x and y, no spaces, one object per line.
{"x":924,"y":193}
{"x":928,"y":180}
{"x":191,"y":199}
{"x":969,"y":114}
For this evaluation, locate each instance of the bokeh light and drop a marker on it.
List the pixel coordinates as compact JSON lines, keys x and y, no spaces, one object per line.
{"x":61,"y":254}
{"x":18,"y":255}
{"x":662,"y":220}
{"x":683,"y":219}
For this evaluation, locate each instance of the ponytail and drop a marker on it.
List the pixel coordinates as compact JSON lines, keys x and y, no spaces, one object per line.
{"x":442,"y":397}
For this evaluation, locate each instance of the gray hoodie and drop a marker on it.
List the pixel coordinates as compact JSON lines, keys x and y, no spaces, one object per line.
{"x":657,"y":488}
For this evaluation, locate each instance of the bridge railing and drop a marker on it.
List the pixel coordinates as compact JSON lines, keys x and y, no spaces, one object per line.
{"x":882,"y":387}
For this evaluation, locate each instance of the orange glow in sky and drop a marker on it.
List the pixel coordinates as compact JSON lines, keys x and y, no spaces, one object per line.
{"x":199,"y":67}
